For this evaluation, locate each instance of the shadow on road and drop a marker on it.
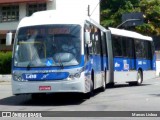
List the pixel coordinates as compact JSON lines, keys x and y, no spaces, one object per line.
{"x":59,"y":99}
{"x":157,"y":95}
{"x":47,"y":100}
{"x":125,"y":85}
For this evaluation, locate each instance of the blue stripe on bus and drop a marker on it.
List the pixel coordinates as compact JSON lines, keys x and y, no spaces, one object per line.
{"x":126,"y":64}
{"x":144,"y":64}
{"x":121,"y":64}
{"x":43,"y":77}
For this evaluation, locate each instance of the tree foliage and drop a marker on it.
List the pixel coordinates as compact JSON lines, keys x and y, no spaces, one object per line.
{"x":5,"y":62}
{"x":151,"y":11}
{"x":112,"y":10}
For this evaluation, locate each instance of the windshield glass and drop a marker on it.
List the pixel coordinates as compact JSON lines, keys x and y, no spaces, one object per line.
{"x":47,"y":45}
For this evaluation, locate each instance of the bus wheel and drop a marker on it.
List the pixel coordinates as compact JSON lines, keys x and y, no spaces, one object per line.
{"x":139,"y":78}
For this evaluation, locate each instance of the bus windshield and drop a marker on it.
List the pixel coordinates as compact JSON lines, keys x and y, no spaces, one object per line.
{"x":47,"y":45}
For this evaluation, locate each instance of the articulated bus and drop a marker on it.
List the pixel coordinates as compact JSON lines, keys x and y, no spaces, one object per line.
{"x":59,"y":53}
{"x":133,"y":55}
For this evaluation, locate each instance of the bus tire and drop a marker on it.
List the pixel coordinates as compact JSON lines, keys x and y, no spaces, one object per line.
{"x":139,"y":77}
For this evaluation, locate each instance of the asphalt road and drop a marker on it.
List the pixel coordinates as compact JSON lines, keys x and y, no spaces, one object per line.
{"x":120,"y":98}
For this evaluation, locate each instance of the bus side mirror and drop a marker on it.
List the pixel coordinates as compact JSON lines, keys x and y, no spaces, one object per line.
{"x":87,"y":37}
{"x":8,"y":38}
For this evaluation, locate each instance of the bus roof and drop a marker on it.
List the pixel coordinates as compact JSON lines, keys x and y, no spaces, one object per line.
{"x":52,"y":17}
{"x":131,"y":34}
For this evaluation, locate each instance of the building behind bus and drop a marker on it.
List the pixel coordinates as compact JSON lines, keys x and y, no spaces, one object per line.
{"x":12,"y":11}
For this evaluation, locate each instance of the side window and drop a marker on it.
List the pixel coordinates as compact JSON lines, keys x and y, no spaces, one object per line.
{"x":104,"y":43}
{"x":97,"y":41}
{"x":117,"y":46}
{"x":131,"y":48}
{"x":95,"y":46}
{"x":144,"y":52}
{"x":92,"y":46}
{"x":88,"y":47}
{"x":148,"y":49}
{"x":127,"y":47}
{"x":122,"y":47}
{"x":140,"y":49}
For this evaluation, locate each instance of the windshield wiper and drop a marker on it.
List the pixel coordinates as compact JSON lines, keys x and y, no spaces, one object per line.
{"x":60,"y":62}
{"x":29,"y":65}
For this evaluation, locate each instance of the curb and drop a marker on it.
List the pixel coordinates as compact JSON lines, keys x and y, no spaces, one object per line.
{"x":5,"y":78}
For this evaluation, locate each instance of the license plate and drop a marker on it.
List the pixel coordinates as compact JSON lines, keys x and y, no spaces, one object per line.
{"x":44,"y":88}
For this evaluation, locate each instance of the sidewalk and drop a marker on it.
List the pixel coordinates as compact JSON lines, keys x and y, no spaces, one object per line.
{"x":5,"y":78}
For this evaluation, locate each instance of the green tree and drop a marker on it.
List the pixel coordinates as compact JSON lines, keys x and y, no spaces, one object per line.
{"x":5,"y":62}
{"x":112,"y":10}
{"x":151,"y":11}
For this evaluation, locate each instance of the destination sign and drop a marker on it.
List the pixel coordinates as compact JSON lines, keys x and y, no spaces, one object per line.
{"x":52,"y":31}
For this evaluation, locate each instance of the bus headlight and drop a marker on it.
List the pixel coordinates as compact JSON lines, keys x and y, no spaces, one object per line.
{"x":77,"y":75}
{"x":71,"y":76}
{"x":17,"y":78}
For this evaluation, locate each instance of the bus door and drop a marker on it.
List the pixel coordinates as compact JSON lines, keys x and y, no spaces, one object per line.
{"x":104,"y":52}
{"x":96,"y":60}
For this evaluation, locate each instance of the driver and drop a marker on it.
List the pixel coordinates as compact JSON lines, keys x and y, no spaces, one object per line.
{"x":69,"y":47}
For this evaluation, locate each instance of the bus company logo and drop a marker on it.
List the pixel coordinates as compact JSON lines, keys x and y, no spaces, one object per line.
{"x":117,"y":65}
{"x":44,"y":76}
{"x":139,"y":62}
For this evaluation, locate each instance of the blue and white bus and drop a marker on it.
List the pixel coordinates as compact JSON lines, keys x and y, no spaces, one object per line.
{"x":61,"y":53}
{"x":133,"y":56}
{"x":50,"y":55}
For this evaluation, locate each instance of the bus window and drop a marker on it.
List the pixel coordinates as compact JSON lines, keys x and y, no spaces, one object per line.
{"x":139,"y":49}
{"x":127,"y":47}
{"x":94,"y":47}
{"x":97,"y":41}
{"x":104,"y":44}
{"x":148,"y":50}
{"x":117,"y":46}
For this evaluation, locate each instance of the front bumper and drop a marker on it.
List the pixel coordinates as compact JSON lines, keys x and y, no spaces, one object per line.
{"x":29,"y":87}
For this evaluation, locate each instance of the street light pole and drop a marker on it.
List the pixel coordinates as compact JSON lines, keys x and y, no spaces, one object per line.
{"x":129,"y":20}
